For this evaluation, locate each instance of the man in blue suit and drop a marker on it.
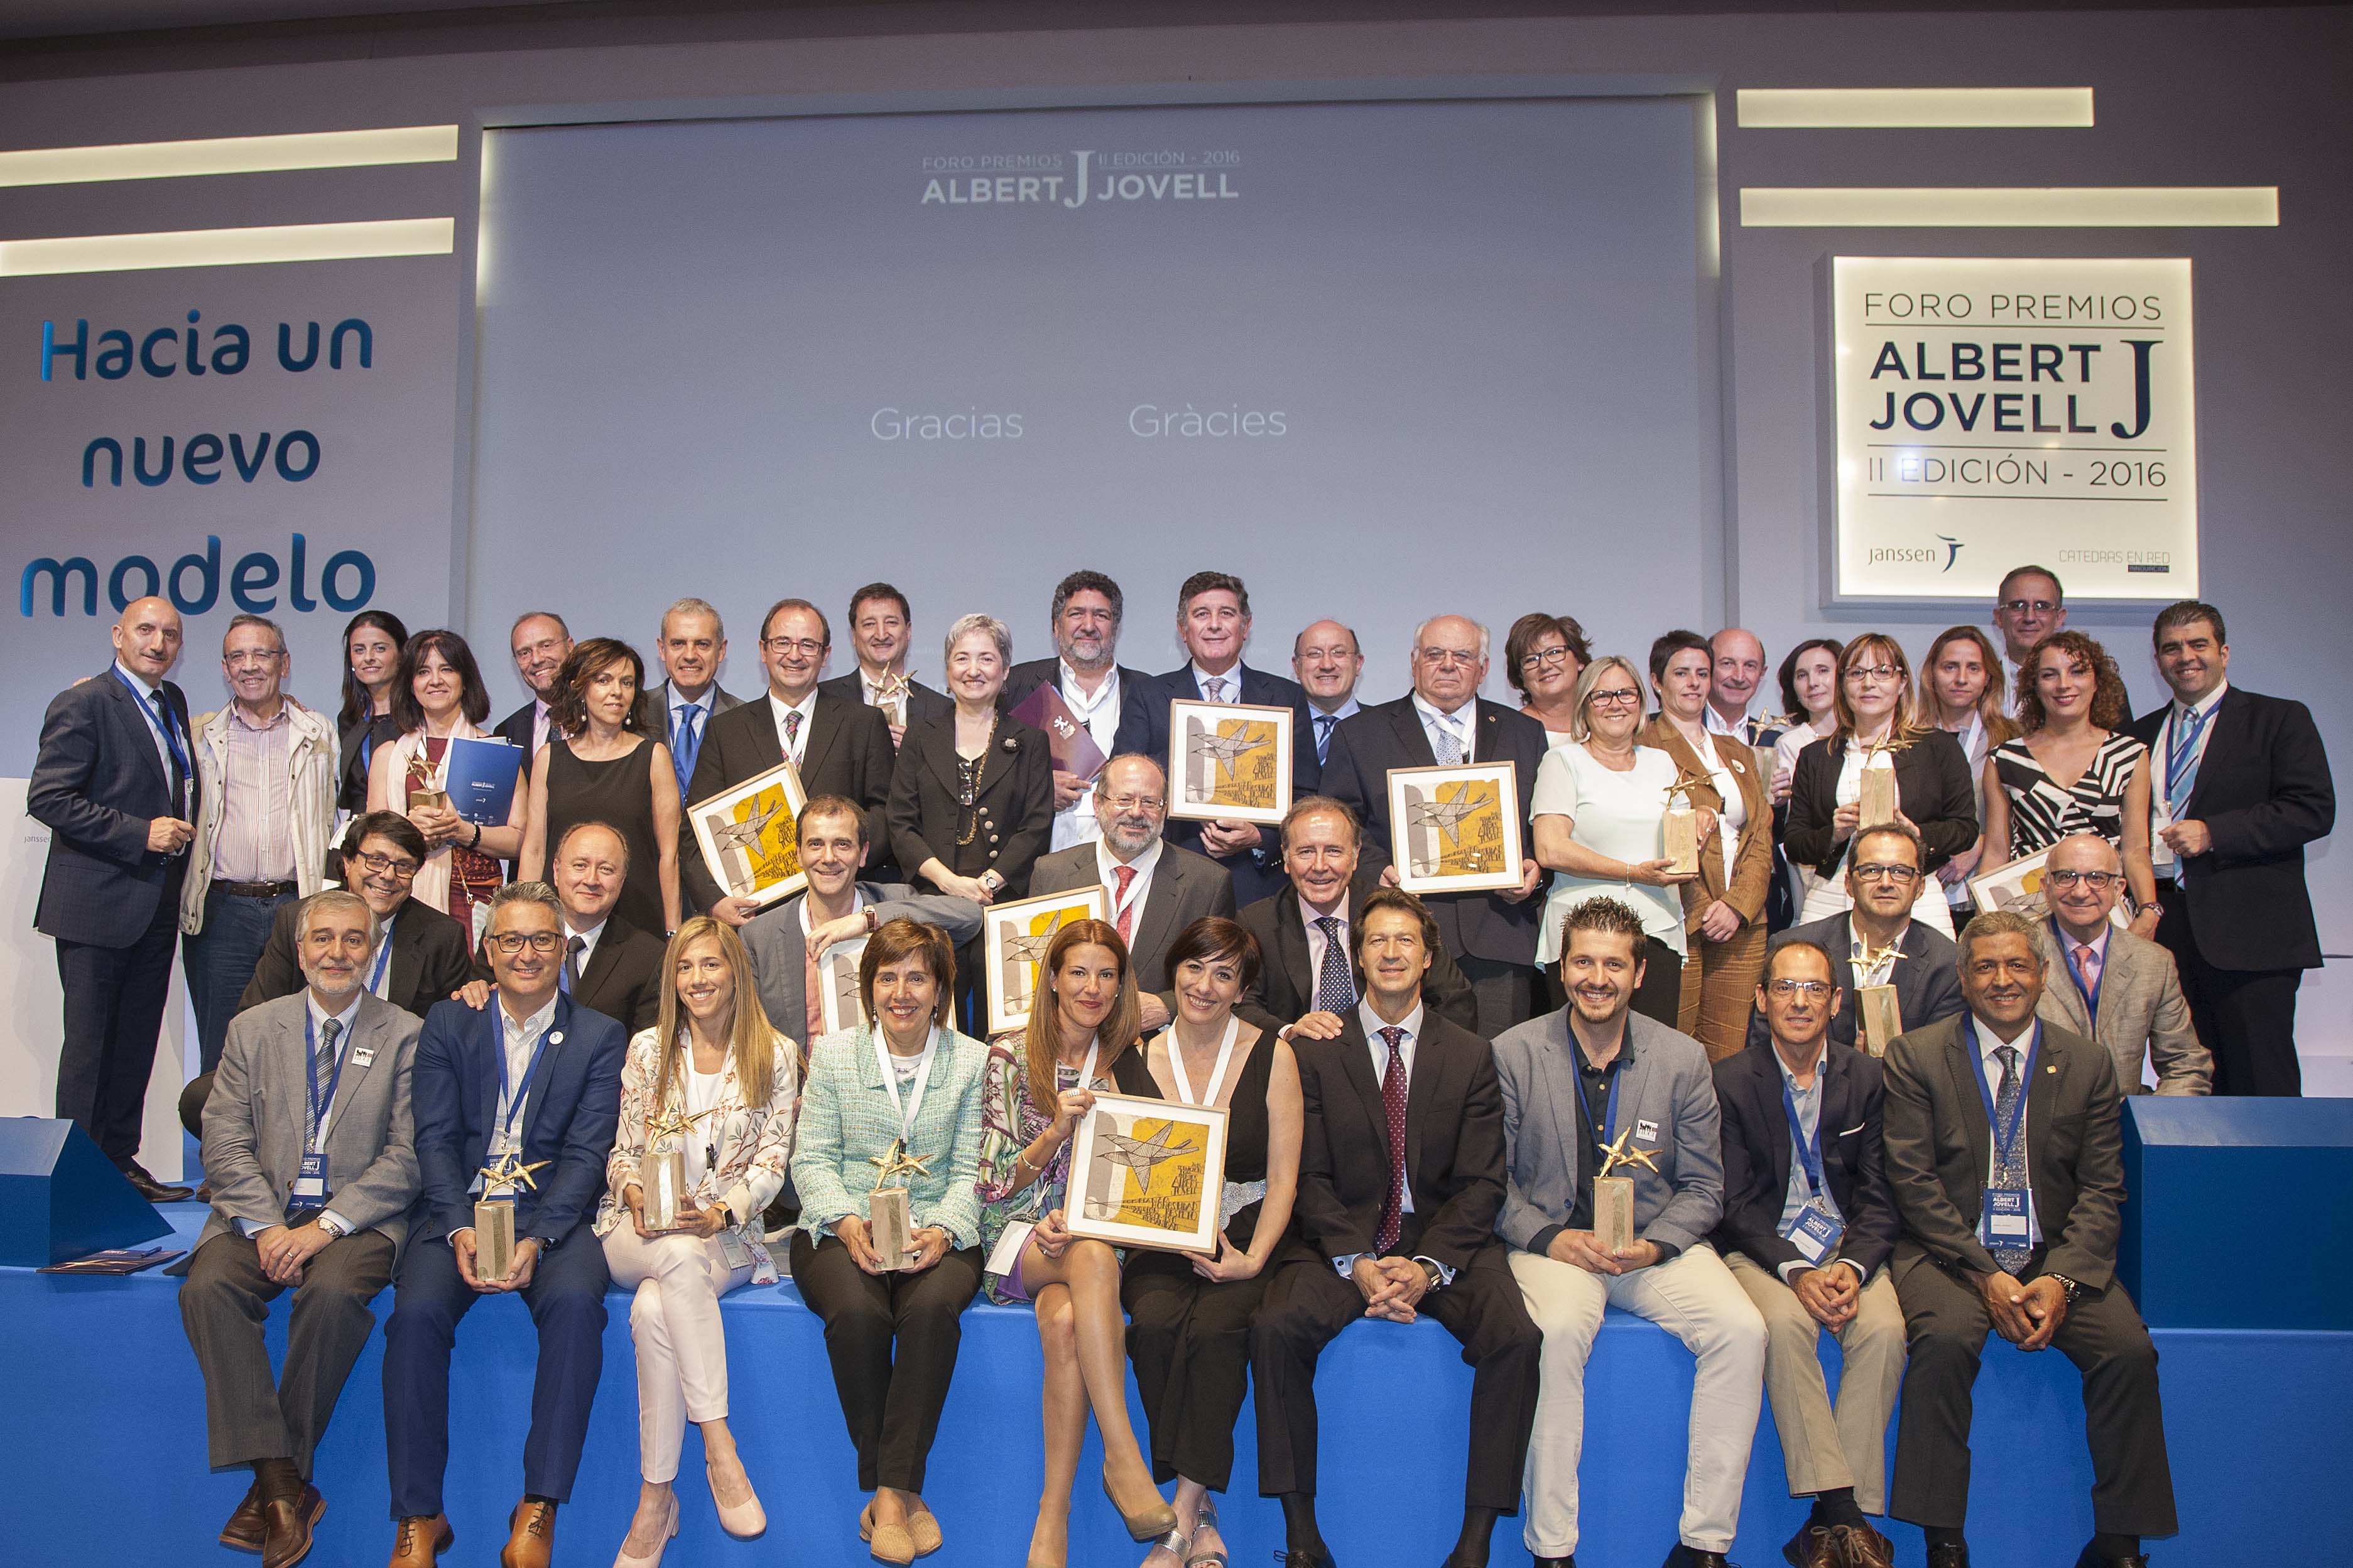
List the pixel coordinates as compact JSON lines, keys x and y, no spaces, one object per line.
{"x":115,"y":787}
{"x":539,"y":1078}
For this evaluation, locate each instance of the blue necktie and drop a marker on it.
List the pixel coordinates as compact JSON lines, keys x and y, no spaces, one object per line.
{"x":1335,"y":982}
{"x":1324,"y":726}
{"x":2182,"y":763}
{"x":686,"y":743}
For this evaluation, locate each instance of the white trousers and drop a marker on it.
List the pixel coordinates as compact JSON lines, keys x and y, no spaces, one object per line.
{"x":1696,"y":1299}
{"x":674,"y":1322}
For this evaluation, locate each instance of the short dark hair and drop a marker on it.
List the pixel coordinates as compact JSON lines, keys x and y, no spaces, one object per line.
{"x":1991,"y":923}
{"x":1201,"y":582}
{"x":1603,"y":914}
{"x":1404,"y":903}
{"x":1669,"y":644}
{"x":1522,"y":639}
{"x":1889,"y":830}
{"x":1213,"y":937}
{"x":879,"y":591}
{"x":2181,"y":613}
{"x":903,"y":939}
{"x":1791,"y":705}
{"x":568,"y":711}
{"x":2030,"y":571}
{"x":1800,"y":944}
{"x":1086,"y":582}
{"x":831,"y":805}
{"x":824,"y":627}
{"x":474,"y":697}
{"x":389,"y":825}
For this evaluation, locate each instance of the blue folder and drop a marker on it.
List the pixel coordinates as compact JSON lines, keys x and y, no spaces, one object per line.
{"x":482,"y":775}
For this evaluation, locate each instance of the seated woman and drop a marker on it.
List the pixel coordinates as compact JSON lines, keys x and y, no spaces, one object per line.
{"x":900,"y":1096}
{"x":1188,"y":1313}
{"x":1039,"y":1084}
{"x":714,"y":1081}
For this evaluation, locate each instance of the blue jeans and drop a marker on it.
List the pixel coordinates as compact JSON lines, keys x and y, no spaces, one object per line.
{"x":220,"y":961}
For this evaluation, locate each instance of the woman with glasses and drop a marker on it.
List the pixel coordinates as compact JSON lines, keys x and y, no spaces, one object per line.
{"x":1960,"y":693}
{"x":716,"y":1083}
{"x":371,"y":645}
{"x":2070,"y":769}
{"x":1879,"y":727}
{"x":439,"y":697}
{"x":600,"y":765}
{"x":1543,"y":657}
{"x":1601,"y":821}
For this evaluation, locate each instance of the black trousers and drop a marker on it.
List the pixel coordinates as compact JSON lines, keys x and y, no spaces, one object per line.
{"x":1658,"y":998}
{"x":113,"y":1011}
{"x":1190,"y":1340}
{"x":893,"y":1341}
{"x":1309,"y":1302}
{"x":1945,"y":1323}
{"x":2246,"y":1017}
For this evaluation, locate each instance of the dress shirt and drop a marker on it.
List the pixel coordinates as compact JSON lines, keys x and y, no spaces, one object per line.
{"x":1372,"y":1023}
{"x":812,"y":1020}
{"x":2010,"y":670}
{"x":1875,"y":973}
{"x":1463,"y":722}
{"x":1715,"y":723}
{"x":2175,"y":720}
{"x":148,"y":690}
{"x":587,"y":935}
{"x":806,"y":707}
{"x":869,"y":690}
{"x":1325,"y":723}
{"x":1735,"y":813}
{"x":1140,"y":888}
{"x":520,"y":1040}
{"x":1099,"y":712}
{"x":1232,"y":678}
{"x":255,"y":842}
{"x":2068,"y":943}
{"x":538,"y":725}
{"x":1988,"y":1043}
{"x":1308,"y":916}
{"x":319,"y":1016}
{"x":1809,"y":1102}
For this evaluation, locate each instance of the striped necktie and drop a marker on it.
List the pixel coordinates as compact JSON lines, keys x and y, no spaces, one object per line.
{"x":2011,"y":1171}
{"x":2181,"y":761}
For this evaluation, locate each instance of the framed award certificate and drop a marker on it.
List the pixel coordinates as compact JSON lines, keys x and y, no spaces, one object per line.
{"x":1013,"y":944}
{"x":1455,"y":829}
{"x":837,"y":1002}
{"x":750,"y":835}
{"x":1230,"y":761}
{"x":1147,"y":1172}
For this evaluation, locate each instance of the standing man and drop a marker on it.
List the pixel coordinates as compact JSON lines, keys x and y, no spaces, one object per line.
{"x":1597,"y":1076}
{"x":116,"y":787}
{"x":1097,"y":690}
{"x":268,"y":774}
{"x":691,"y":645}
{"x":836,"y":745}
{"x":1400,"y":1178}
{"x":2123,"y":990}
{"x":1155,"y":889}
{"x":880,"y":626}
{"x":540,"y":643}
{"x":1738,"y":672}
{"x":2028,"y":606}
{"x":1213,"y":622}
{"x":2009,"y":1202}
{"x":1877,"y":942}
{"x":2239,"y":785}
{"x":308,"y":1147}
{"x":1445,"y":721}
{"x":1809,"y":1225}
{"x":537,"y":1078}
{"x":1328,"y":661}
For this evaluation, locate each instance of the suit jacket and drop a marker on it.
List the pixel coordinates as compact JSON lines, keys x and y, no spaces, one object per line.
{"x":96,"y":783}
{"x":780,"y":952}
{"x":847,"y":752}
{"x":1939,"y":1148}
{"x":1453,"y":1144}
{"x":1031,"y":674}
{"x":624,"y":977}
{"x":847,"y":1118}
{"x":2263,"y":791}
{"x":570,"y":1120}
{"x":653,"y":708}
{"x":2142,"y":1012}
{"x":259,"y":1109}
{"x":1186,"y":885}
{"x":515,"y":729}
{"x":1371,"y":741}
{"x":1015,"y":802}
{"x":1757,"y":1158}
{"x":1664,"y":1085}
{"x":357,"y":742}
{"x":922,"y":701}
{"x":1285,"y":990}
{"x":1932,"y":789}
{"x":1744,"y":883}
{"x":430,"y":958}
{"x":1144,"y":728}
{"x":1927,"y":978}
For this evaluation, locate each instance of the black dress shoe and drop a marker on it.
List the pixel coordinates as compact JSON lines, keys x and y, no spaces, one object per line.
{"x":1953,"y":1556}
{"x":153,"y":1191}
{"x":1684,"y":1556}
{"x":2091,"y":1558}
{"x":1567,"y":1562}
{"x":1308,"y":1557}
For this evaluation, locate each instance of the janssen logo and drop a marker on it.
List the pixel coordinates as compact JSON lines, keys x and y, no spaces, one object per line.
{"x":195,"y":582}
{"x":1077,"y":179}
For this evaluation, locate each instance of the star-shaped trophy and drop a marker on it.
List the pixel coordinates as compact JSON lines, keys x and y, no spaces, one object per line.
{"x":494,"y":1213}
{"x":890,"y":1230}
{"x":662,"y":1174}
{"x":891,"y":694}
{"x":1613,"y":1196}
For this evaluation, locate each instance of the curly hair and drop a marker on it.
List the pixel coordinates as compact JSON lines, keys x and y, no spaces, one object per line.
{"x":2111,"y":704}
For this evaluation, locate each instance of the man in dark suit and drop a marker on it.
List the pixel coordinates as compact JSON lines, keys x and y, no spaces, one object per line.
{"x":1096,"y":688}
{"x":1400,"y":1178}
{"x":1213,"y":622}
{"x":541,"y":642}
{"x":2239,"y":784}
{"x":2005,"y":1147}
{"x":1492,"y":935}
{"x":1309,"y":981}
{"x":536,"y":1081}
{"x":115,"y":786}
{"x":837,"y":745}
{"x":881,"y":623}
{"x":692,"y":646}
{"x":1156,"y":887}
{"x":1877,"y":942}
{"x":608,"y":965}
{"x":1809,"y":1225}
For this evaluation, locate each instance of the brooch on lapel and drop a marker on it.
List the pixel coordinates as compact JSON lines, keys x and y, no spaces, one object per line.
{"x":1011,"y":744}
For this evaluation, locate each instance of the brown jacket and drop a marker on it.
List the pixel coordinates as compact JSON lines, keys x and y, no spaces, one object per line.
{"x":1744,"y":883}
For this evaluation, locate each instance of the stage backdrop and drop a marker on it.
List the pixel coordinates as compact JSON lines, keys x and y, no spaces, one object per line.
{"x":1381,"y":360}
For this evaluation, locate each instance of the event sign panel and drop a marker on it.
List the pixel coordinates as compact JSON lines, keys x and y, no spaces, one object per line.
{"x":1993,"y":411}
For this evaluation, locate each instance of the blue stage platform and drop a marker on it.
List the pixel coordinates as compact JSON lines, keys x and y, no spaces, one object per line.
{"x":106,"y":1425}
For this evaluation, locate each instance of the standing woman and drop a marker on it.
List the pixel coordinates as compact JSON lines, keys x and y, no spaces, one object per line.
{"x":1960,"y":693}
{"x":1809,"y":696}
{"x":907,"y":1082}
{"x":439,"y":697}
{"x":1189,"y":1314}
{"x":1876,"y":717}
{"x":600,"y":765}
{"x":1040,"y":1084}
{"x":1723,"y":908}
{"x":1543,"y":658}
{"x":2071,"y":769}
{"x":715,"y":1059}
{"x":1600,"y":812}
{"x":371,"y":645}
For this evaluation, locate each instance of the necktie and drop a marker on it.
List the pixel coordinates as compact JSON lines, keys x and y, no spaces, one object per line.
{"x":1393,"y":1093}
{"x":793,"y":731}
{"x":1126,"y":875}
{"x":1324,"y":725}
{"x":1217,"y":689}
{"x":2012,"y":1170}
{"x":573,"y":948}
{"x":2182,"y":761}
{"x":1450,"y":742}
{"x":323,"y":1073}
{"x":2087,"y":969}
{"x":686,"y":744}
{"x":1335,"y":982}
{"x":172,"y":743}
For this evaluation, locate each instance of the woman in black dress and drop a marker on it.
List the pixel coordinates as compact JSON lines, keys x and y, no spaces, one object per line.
{"x":371,"y":645}
{"x":600,"y":765}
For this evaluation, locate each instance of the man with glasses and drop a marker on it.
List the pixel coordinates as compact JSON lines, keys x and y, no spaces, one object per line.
{"x":1328,"y":661}
{"x":2028,"y":606}
{"x":1809,"y":1225}
{"x":2123,"y":991}
{"x":836,"y":745}
{"x":1092,"y":683}
{"x":1878,"y":942}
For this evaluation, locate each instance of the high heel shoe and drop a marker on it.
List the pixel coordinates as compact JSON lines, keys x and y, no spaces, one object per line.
{"x":1206,"y":1518}
{"x":741,"y":1519}
{"x":1146,"y":1525}
{"x":624,"y":1560}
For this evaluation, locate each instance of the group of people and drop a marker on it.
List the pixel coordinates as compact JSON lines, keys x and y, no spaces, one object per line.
{"x":393,"y":1032}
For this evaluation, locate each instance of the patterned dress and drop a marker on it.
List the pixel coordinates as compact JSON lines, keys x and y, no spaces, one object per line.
{"x":1009,"y":1123}
{"x":2041,"y":813}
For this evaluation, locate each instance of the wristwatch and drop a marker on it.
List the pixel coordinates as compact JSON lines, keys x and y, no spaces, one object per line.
{"x":1429,"y":1271}
{"x":334,"y":1226}
{"x":2068,"y":1286}
{"x":873,"y":922}
{"x":991,"y":879}
{"x":726,"y":1214}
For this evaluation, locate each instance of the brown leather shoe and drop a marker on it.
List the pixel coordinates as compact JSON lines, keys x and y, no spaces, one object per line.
{"x":286,"y":1540}
{"x":531,"y":1538}
{"x":245,"y":1528}
{"x":421,"y":1540}
{"x":1860,"y":1546}
{"x":1811,"y":1548}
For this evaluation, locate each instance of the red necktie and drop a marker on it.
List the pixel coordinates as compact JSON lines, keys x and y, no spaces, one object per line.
{"x":1393,"y":1092}
{"x":1126,"y":875}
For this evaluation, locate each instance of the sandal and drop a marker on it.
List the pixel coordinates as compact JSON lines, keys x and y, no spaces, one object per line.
{"x":1206,"y":1518}
{"x":1176,"y":1544}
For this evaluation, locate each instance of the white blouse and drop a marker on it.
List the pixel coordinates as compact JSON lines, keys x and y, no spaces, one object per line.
{"x":1621,"y":815}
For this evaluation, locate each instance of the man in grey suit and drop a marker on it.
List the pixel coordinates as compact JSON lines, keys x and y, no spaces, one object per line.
{"x":692,"y":646}
{"x":1156,"y":887}
{"x":2125,"y":993}
{"x":1595,"y":1080}
{"x":307,"y":1141}
{"x":1877,"y":942}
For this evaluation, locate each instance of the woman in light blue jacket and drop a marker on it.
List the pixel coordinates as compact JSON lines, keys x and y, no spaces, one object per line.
{"x":905,"y":1085}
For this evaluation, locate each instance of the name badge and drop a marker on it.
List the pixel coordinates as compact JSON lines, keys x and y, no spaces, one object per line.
{"x":363,"y":1056}
{"x":2161,"y":817}
{"x":2005,"y":1214}
{"x":1646,"y":1131}
{"x":311,"y":1183}
{"x":1813,"y":1232}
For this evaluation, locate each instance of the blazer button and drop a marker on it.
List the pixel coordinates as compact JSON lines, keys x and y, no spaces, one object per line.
{"x":992,"y":854}
{"x":992,"y":838}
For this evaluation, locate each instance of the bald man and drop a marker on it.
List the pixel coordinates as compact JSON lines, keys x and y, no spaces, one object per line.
{"x":115,"y":786}
{"x":1738,"y":675}
{"x":1326,"y":662}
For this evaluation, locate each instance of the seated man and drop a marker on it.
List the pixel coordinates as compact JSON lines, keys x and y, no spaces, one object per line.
{"x":1877,"y":942}
{"x":1398,"y":1195}
{"x":2124,"y":991}
{"x":1594,"y":1079}
{"x":2009,"y":1205}
{"x":1808,"y":1225}
{"x":306,"y":1143}
{"x":609,"y":966}
{"x":535,"y":1082}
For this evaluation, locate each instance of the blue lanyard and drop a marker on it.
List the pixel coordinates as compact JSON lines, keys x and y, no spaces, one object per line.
{"x":165,"y":726}
{"x":2005,"y":1138}
{"x":1810,"y":1153}
{"x":384,"y":962}
{"x":514,"y":1101}
{"x":2067,"y":961}
{"x":310,"y":1053}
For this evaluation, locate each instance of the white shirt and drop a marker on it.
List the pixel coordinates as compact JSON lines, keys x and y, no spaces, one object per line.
{"x":1988,"y":1043}
{"x":806,"y":707}
{"x":1232,"y":678}
{"x":520,"y":1040}
{"x":1877,"y":974}
{"x":1138,"y":889}
{"x":154,"y":721}
{"x":870,"y":690}
{"x":1622,"y":815}
{"x":1735,"y":813}
{"x":1099,"y":712}
{"x":701,"y":1090}
{"x":2010,"y":670}
{"x":1715,"y":723}
{"x":705,"y":702}
{"x":1463,"y":722}
{"x":1307,"y":918}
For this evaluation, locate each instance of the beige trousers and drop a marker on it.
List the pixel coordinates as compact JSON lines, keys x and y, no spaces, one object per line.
{"x":1822,"y":1451}
{"x":674,"y":1322}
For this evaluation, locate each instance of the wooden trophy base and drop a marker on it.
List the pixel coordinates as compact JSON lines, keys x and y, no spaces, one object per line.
{"x":1876,"y":807}
{"x":1878,"y":1018}
{"x":664,"y":1181}
{"x":494,"y":1238}
{"x":888,"y":1228}
{"x":1681,"y":842}
{"x":1614,"y":1212}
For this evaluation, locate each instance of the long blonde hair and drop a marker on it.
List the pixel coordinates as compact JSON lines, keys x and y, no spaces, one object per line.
{"x":752,"y":1041}
{"x":1041,"y":1042}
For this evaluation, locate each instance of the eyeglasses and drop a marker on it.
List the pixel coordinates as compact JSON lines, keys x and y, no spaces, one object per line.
{"x":1809,"y":989}
{"x":1882,"y":872}
{"x":1447,"y":657}
{"x":387,"y":866}
{"x":540,"y":942}
{"x":1545,"y":659}
{"x":2098,"y":881}
{"x":1135,"y":802}
{"x":808,"y":646}
{"x":1873,"y":672}
{"x":1617,"y":697}
{"x":2020,"y":606}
